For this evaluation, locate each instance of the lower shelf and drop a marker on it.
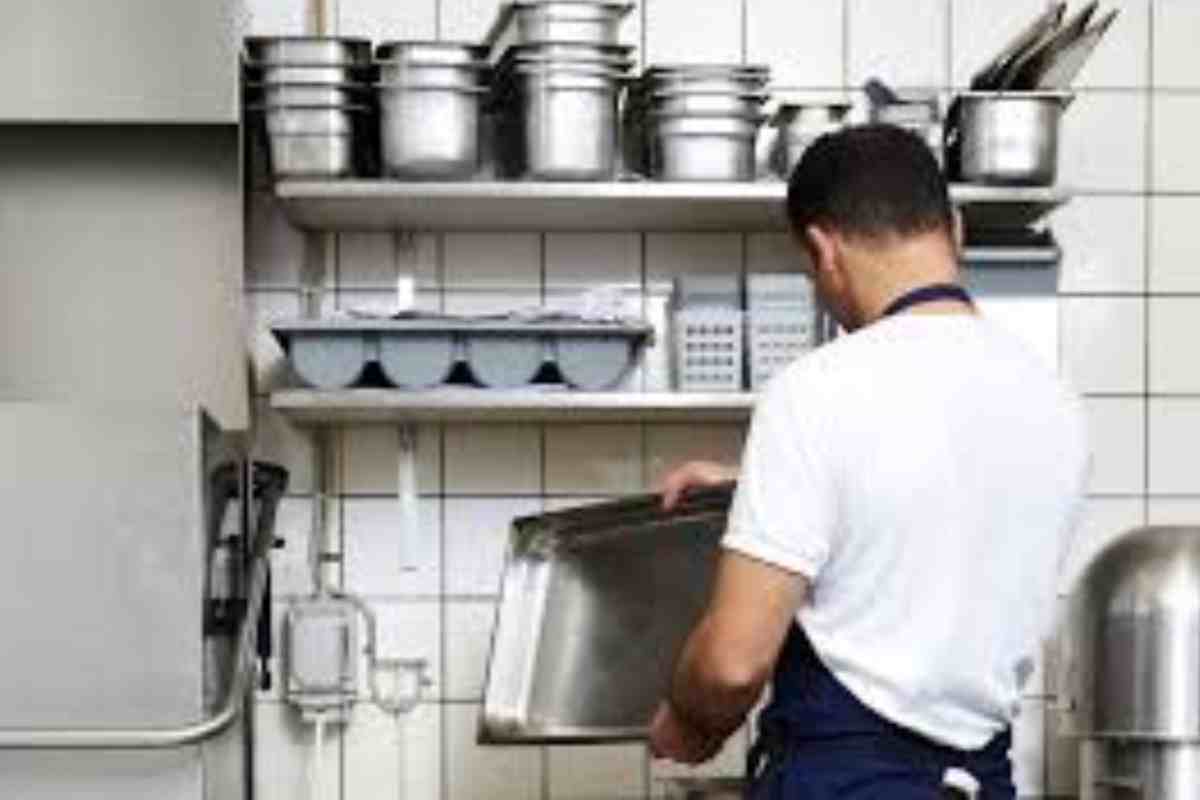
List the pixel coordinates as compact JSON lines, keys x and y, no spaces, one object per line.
{"x":316,"y":407}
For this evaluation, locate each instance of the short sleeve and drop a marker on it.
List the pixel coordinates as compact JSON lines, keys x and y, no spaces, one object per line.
{"x":785,"y":510}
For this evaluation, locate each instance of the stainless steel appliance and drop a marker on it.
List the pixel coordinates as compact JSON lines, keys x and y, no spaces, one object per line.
{"x":1136,"y":649}
{"x":595,"y":604}
{"x":1007,"y":138}
{"x":134,"y":584}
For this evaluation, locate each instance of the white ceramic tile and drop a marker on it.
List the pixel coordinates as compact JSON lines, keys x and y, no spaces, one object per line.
{"x":774,"y":252}
{"x":675,"y":33}
{"x":278,"y":17}
{"x":1174,"y":368}
{"x":1116,"y":432}
{"x":1175,"y":248}
{"x":671,"y":254}
{"x":380,"y":20}
{"x":391,"y":757}
{"x":466,"y":20}
{"x":277,"y":440}
{"x":1174,"y":423}
{"x":1176,"y":31}
{"x":1176,"y":168}
{"x":982,"y":27}
{"x":366,"y":261}
{"x":274,"y":249}
{"x":593,"y":459}
{"x":1102,"y":342}
{"x":1103,"y":519}
{"x":476,"y":534}
{"x":902,"y":44}
{"x":284,"y":751}
{"x":382,"y":558}
{"x":1103,"y":243}
{"x":730,"y":762}
{"x":575,"y":259}
{"x":1174,"y":511}
{"x":468,"y":642}
{"x":1028,"y":749}
{"x":492,"y":259}
{"x":372,"y":455}
{"x":271,"y":370}
{"x":802,"y":41}
{"x":668,"y":446}
{"x":487,"y":773}
{"x":406,"y":630}
{"x":586,"y":773}
{"x":1102,"y":143}
{"x":1121,"y":59}
{"x":290,"y":571}
{"x":493,"y":459}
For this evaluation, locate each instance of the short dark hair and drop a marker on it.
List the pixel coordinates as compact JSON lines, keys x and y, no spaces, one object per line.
{"x":870,"y":181}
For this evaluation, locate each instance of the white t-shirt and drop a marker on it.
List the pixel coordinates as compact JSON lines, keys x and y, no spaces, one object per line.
{"x":925,"y":474}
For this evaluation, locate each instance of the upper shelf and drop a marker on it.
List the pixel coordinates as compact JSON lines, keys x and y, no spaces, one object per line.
{"x":365,"y":205}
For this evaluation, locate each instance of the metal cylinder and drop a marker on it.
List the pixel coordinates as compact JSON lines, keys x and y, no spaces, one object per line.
{"x":565,"y":125}
{"x":1010,"y":138}
{"x":429,"y":132}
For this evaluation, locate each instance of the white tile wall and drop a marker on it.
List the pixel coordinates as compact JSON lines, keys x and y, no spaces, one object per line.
{"x":1119,"y":334}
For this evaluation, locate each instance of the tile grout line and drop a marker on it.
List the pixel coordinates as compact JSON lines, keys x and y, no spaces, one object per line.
{"x":1148,"y":183}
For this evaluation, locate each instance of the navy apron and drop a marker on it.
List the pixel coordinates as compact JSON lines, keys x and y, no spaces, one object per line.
{"x":817,"y":741}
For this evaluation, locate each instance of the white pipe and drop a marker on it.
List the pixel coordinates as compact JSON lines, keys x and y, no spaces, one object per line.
{"x":317,"y":771}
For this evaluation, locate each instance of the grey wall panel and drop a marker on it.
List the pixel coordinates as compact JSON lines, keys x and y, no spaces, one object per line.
{"x":119,"y":60}
{"x":165,"y":775}
{"x":121,"y":267}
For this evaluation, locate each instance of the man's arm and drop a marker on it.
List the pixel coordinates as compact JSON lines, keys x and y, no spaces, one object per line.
{"x":728,"y":658}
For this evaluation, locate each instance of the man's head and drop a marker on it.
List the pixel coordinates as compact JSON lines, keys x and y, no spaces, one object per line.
{"x":872,"y":210}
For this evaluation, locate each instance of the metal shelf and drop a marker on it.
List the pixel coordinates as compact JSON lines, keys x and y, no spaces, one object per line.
{"x":316,"y":407}
{"x":363,"y":205}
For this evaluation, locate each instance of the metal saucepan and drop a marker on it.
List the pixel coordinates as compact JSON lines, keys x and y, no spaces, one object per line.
{"x":1006,"y":137}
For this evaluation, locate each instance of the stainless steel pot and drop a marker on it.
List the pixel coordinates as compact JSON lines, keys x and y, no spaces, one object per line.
{"x":432,"y":52}
{"x":1007,"y":138}
{"x":465,"y":75}
{"x":693,"y":148}
{"x":559,"y":21}
{"x":801,"y":124}
{"x":311,"y":50}
{"x":562,"y":126}
{"x":737,"y":105}
{"x":429,"y":132}
{"x":308,"y":120}
{"x":311,"y":155}
{"x":570,"y":51}
{"x":308,"y":75}
{"x":294,"y":94}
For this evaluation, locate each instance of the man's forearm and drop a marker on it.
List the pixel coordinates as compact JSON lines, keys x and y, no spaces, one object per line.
{"x":708,"y":696}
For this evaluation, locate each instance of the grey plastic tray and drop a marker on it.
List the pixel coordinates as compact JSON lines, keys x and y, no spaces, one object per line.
{"x":420,"y":352}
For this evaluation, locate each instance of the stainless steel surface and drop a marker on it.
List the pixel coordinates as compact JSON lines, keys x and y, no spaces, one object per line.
{"x":688,"y":148}
{"x":309,"y":120}
{"x":799,"y":126}
{"x":991,"y":77}
{"x":311,"y":155}
{"x":565,"y":127}
{"x":1068,"y":62}
{"x":374,"y":205}
{"x":743,"y":104}
{"x":1009,"y":138}
{"x":431,"y":52}
{"x":1136,"y":636}
{"x":121,"y":61}
{"x":595,"y":604}
{"x":309,"y":407}
{"x":558,"y":21}
{"x":307,"y":75}
{"x":1023,"y":74}
{"x":429,"y":133}
{"x":312,"y":95}
{"x":1147,"y":771}
{"x":467,"y":75}
{"x":311,"y":50}
{"x":571,"y":51}
{"x":718,"y":84}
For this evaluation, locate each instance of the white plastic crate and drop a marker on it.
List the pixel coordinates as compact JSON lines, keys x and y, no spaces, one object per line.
{"x":709,"y":349}
{"x":777,"y":336}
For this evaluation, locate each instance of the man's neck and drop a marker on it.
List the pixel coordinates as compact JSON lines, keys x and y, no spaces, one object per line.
{"x":909,"y":265}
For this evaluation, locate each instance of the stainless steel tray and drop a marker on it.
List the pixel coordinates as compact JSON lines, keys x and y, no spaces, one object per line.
{"x":595,"y":604}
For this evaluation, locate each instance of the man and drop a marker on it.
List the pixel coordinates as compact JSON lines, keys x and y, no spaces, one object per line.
{"x":905,"y":497}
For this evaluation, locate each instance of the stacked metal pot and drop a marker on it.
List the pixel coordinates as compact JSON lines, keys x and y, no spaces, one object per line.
{"x":696,"y":122}
{"x":430,"y":94}
{"x":311,"y":98}
{"x":559,"y":73}
{"x":800,"y":124}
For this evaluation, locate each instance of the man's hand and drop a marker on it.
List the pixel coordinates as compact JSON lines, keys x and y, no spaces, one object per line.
{"x":692,"y":475}
{"x":672,"y":739}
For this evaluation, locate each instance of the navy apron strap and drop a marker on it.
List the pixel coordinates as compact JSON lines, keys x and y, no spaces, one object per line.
{"x":927,"y":294}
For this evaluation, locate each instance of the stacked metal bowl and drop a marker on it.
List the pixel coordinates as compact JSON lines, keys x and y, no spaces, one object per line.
{"x":696,"y":122}
{"x":559,"y":74}
{"x":430,"y":95}
{"x":311,"y":97}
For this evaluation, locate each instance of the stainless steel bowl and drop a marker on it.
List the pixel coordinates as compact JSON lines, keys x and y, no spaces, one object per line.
{"x":429,"y":132}
{"x":694,"y":148}
{"x":466,"y":75}
{"x":563,"y":126}
{"x":309,"y":120}
{"x":739,"y":105}
{"x":434,"y":52}
{"x":312,"y":50}
{"x":1008,"y":138}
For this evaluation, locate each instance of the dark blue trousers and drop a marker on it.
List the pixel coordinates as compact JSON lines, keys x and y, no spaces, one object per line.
{"x":818,"y":742}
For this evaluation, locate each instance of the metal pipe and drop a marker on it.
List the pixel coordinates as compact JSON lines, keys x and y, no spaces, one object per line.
{"x":167,"y":738}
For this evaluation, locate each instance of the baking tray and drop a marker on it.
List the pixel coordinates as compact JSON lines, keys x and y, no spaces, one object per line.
{"x":595,"y":605}
{"x":502,"y":353}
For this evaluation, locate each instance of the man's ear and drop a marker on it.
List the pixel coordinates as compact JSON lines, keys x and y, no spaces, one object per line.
{"x":823,"y":249}
{"x":960,"y":232}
